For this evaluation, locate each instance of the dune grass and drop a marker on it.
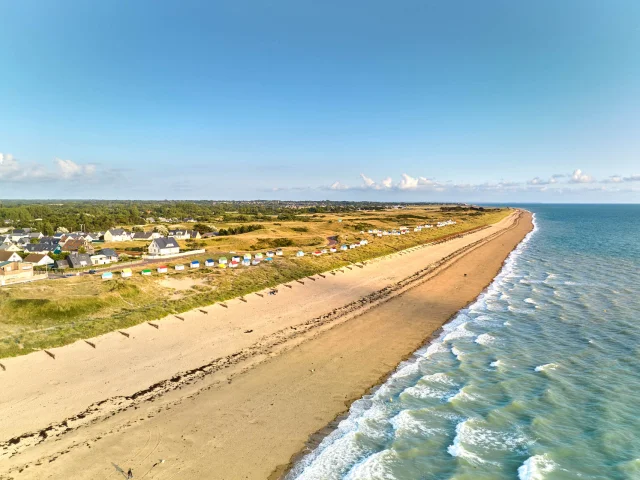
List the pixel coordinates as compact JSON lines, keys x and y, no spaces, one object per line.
{"x":57,"y":312}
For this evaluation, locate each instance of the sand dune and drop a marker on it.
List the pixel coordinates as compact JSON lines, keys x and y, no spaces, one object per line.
{"x":235,"y":392}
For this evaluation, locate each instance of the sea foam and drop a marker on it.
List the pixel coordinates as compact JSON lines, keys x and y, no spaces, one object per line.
{"x":536,"y":468}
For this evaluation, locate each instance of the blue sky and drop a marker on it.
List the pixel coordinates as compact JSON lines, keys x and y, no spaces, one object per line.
{"x":424,"y":100}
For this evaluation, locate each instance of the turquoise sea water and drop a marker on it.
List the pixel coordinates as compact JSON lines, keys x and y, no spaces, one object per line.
{"x":538,"y":379}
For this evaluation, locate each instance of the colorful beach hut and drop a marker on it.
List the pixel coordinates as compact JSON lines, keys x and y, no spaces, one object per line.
{"x":258,"y":256}
{"x":222,"y":261}
{"x":179,"y":267}
{"x":279,"y":252}
{"x":194,"y":264}
{"x":209,"y":262}
{"x":222,"y":265}
{"x":300,"y":253}
{"x":162,"y":269}
{"x":344,"y":247}
{"x":333,"y":250}
{"x":107,"y":275}
{"x":246,"y":263}
{"x":146,"y":272}
{"x":126,"y":273}
{"x":255,"y":262}
{"x":246,"y":256}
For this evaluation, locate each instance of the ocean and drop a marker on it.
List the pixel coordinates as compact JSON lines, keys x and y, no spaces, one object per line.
{"x":538,"y":379}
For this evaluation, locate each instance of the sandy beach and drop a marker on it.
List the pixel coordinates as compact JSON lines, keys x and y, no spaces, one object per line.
{"x":235,"y":390}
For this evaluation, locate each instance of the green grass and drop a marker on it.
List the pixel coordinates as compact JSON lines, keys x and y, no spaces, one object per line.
{"x":57,"y":312}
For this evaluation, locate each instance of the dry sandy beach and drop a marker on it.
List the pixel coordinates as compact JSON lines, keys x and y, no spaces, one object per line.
{"x":236,"y":392}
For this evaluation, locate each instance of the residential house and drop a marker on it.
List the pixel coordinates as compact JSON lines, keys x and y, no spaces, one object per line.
{"x":10,"y":247}
{"x":39,"y":259}
{"x":38,"y":248}
{"x":36,"y":235}
{"x":110,"y":253}
{"x":180,"y":234}
{"x":15,"y":272}
{"x":6,"y":256}
{"x":164,"y":246}
{"x":116,"y":235}
{"x":99,"y":260}
{"x":19,"y":233}
{"x":147,"y":236}
{"x":79,"y":260}
{"x":61,"y":264}
{"x":72,"y":245}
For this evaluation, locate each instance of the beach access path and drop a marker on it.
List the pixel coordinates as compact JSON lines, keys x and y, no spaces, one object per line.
{"x":236,"y":390}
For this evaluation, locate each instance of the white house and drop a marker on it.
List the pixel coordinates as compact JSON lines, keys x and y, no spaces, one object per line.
{"x":117,"y":235}
{"x":6,"y":256}
{"x":39,"y":259}
{"x":164,"y":246}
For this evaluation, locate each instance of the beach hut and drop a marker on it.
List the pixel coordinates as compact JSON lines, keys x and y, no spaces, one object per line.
{"x":222,"y":265}
{"x":279,"y":252}
{"x":333,"y":249}
{"x":126,"y":273}
{"x":344,"y":247}
{"x":222,"y":261}
{"x":317,"y":253}
{"x":162,"y":269}
{"x":271,"y":254}
{"x":364,"y":242}
{"x":255,"y":262}
{"x":268,"y":259}
{"x":352,"y":246}
{"x":107,"y":276}
{"x":258,"y":256}
{"x":246,"y":262}
{"x":236,"y":259}
{"x":179,"y":267}
{"x":234,"y":264}
{"x":146,"y":272}
{"x":246,"y":256}
{"x":300,"y":253}
{"x":209,"y":262}
{"x":324,"y":250}
{"x":379,"y":234}
{"x":194,"y":264}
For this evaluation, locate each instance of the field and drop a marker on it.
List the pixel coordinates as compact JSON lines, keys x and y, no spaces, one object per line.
{"x":57,"y":312}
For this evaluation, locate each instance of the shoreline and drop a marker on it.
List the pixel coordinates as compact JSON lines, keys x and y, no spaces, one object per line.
{"x":225,"y":385}
{"x":316,"y":438}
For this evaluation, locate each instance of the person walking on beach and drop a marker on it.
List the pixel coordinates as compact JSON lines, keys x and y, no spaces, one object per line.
{"x":129,"y":474}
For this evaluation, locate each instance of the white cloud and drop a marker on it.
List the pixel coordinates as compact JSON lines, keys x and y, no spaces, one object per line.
{"x":579,"y":176}
{"x":408,"y":182}
{"x":387,"y":182}
{"x":540,"y":181}
{"x":338,"y":186}
{"x":621,"y":179}
{"x":368,"y":182}
{"x":13,"y":170}
{"x":70,"y":169}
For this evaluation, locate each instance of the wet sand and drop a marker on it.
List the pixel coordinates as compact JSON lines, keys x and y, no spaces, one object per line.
{"x":215,"y":402}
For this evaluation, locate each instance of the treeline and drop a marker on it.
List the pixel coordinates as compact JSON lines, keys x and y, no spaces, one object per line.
{"x":238,"y":230}
{"x":100,"y":215}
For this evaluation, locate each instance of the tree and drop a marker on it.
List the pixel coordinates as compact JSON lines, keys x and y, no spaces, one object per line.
{"x":62,"y":230}
{"x":161,"y":229}
{"x":201,"y":228}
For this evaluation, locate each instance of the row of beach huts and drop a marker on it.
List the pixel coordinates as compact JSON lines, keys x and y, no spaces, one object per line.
{"x":248,"y":260}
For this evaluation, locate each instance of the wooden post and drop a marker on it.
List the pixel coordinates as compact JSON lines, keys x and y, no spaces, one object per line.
{"x":223,"y":305}
{"x":321,"y":275}
{"x":4,"y":369}
{"x":153,"y":325}
{"x":311,"y":278}
{"x":123,"y":333}
{"x":204,"y":311}
{"x":50,"y":354}
{"x":288,"y":286}
{"x":90,"y":343}
{"x":179,"y":317}
{"x":333,"y":273}
{"x":242,"y":299}
{"x":260,"y":295}
{"x":300,"y":282}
